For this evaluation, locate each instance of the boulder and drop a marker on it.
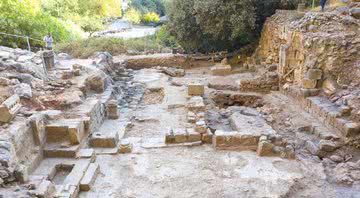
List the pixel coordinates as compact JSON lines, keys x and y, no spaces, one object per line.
{"x":23,"y":90}
{"x":327,"y":145}
{"x":96,"y":81}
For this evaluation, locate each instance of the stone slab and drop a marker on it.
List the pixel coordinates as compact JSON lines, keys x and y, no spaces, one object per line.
{"x":89,"y":177}
{"x":221,"y":70}
{"x":99,"y":140}
{"x":196,"y":89}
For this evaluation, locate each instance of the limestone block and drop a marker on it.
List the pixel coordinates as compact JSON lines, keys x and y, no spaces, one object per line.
{"x":9,"y":108}
{"x":355,"y":12}
{"x":77,"y":72}
{"x":76,"y":132}
{"x":170,"y":138}
{"x":327,"y":145}
{"x":309,"y":84}
{"x":235,"y":141}
{"x":61,"y":151}
{"x":125,"y":146}
{"x":221,"y":70}
{"x":265,"y":148}
{"x":191,"y":117}
{"x":89,"y":177}
{"x":96,"y":81}
{"x":21,"y":173}
{"x":196,"y":89}
{"x":37,"y":122}
{"x":87,"y":154}
{"x":193,"y":136}
{"x":112,"y":110}
{"x":329,"y":86}
{"x":201,"y":126}
{"x":23,"y":90}
{"x":351,"y":129}
{"x":104,"y":141}
{"x":314,"y":74}
{"x":67,"y":74}
{"x":207,"y":137}
{"x":45,"y":189}
{"x":196,"y":104}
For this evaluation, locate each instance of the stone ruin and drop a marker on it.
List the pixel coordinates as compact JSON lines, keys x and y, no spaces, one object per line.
{"x":283,"y":124}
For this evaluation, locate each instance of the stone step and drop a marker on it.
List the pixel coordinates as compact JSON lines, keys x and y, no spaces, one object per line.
{"x":72,"y":130}
{"x":235,"y":141}
{"x":99,"y":140}
{"x":89,"y":177}
{"x":9,"y":108}
{"x":55,"y":150}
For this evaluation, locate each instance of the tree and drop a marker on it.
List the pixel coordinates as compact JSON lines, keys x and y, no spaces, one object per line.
{"x":215,"y":25}
{"x":203,"y":25}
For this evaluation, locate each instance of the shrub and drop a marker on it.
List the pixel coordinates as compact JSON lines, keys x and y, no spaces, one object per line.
{"x":17,"y":17}
{"x":164,"y":38}
{"x":87,"y":47}
{"x":150,"y":17}
{"x":133,"y":15}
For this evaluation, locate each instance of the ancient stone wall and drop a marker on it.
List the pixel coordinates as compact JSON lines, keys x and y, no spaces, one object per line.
{"x":298,"y":42}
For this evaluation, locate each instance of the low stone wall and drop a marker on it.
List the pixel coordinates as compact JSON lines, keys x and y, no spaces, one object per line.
{"x":332,"y":116}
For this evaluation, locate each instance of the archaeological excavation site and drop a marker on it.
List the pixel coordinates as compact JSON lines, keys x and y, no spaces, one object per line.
{"x":283,"y":122}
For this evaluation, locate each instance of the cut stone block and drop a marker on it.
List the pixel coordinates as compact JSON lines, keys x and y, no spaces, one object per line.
{"x":104,"y":141}
{"x":196,"y":104}
{"x":45,"y":189}
{"x":71,"y":130}
{"x":314,"y":74}
{"x":200,"y":126}
{"x":351,"y":129}
{"x":125,"y":147}
{"x":77,"y":173}
{"x":193,"y":136}
{"x":196,"y":89}
{"x":265,"y":148}
{"x":309,"y":83}
{"x":68,"y":191}
{"x":207,"y":137}
{"x":178,"y":136}
{"x":87,"y":154}
{"x":235,"y":141}
{"x":112,"y":110}
{"x":250,"y":123}
{"x":9,"y":108}
{"x":89,"y":177}
{"x":221,"y":70}
{"x":76,"y":132}
{"x":55,"y":150}
{"x":37,"y":122}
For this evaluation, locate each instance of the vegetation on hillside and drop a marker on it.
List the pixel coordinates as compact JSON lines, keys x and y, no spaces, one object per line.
{"x":65,"y":19}
{"x":145,"y":11}
{"x":203,"y":25}
{"x":85,"y":48}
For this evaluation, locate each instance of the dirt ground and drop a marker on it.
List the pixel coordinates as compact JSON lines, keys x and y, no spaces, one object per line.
{"x":203,"y":171}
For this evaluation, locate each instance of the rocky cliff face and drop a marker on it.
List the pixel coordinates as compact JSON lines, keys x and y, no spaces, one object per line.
{"x":298,"y":42}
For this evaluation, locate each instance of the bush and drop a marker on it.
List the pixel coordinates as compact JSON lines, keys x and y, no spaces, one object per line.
{"x":116,"y":46}
{"x":150,"y":17}
{"x":133,"y":16}
{"x":17,"y":17}
{"x":205,"y":26}
{"x":164,"y":38}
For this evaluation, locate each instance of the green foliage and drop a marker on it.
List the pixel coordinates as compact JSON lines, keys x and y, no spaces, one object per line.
{"x":19,"y":17}
{"x":164,"y":38}
{"x":150,"y":17}
{"x":133,"y":16}
{"x":87,"y":47}
{"x":146,"y":6}
{"x":215,"y":25}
